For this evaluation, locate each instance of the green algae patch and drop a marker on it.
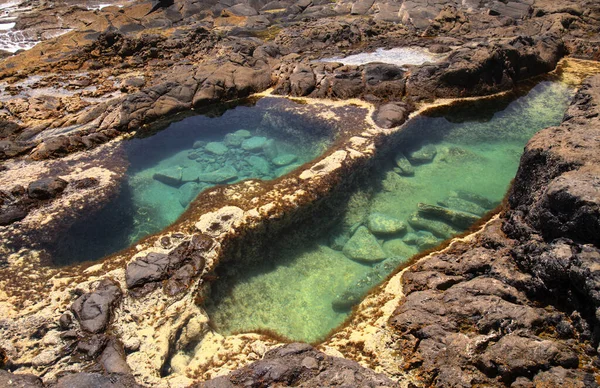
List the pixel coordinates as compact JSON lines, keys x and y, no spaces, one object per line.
{"x":303,"y":282}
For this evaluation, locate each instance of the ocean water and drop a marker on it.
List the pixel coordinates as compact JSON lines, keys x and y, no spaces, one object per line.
{"x":304,"y":282}
{"x":170,"y":167}
{"x":400,"y":56}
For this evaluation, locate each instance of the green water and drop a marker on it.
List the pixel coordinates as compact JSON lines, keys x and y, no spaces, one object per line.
{"x":302,"y":284}
{"x":168,"y":168}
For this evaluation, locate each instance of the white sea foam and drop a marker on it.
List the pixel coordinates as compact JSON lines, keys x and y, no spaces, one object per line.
{"x":400,"y":56}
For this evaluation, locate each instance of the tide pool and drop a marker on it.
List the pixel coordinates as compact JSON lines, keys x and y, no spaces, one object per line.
{"x":445,"y":170}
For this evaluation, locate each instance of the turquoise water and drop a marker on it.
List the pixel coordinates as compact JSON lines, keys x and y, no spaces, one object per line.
{"x":458,"y":162}
{"x":170,"y":167}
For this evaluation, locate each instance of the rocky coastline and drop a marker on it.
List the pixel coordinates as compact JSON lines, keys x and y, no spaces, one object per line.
{"x":512,"y":303}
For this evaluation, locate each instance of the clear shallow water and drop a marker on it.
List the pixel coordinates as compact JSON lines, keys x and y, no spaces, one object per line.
{"x":303,"y":284}
{"x":170,"y":168}
{"x":400,"y":56}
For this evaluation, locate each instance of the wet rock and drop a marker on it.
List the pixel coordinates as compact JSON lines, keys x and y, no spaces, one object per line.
{"x":422,"y":240}
{"x":391,"y":115}
{"x":284,"y":160}
{"x":93,"y":310}
{"x":425,"y":154}
{"x":437,"y":228}
{"x":404,"y":167}
{"x":254,"y":144}
{"x":151,"y":268}
{"x":216,"y":148}
{"x":379,"y":223}
{"x":363,"y":246}
{"x":259,"y":164}
{"x":289,"y":366}
{"x":19,"y":380}
{"x":171,"y":177}
{"x":46,"y":188}
{"x":461,"y":220}
{"x":221,"y":175}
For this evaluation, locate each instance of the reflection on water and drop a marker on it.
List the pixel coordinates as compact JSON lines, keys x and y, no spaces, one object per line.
{"x":444,"y":173}
{"x":171,"y":167}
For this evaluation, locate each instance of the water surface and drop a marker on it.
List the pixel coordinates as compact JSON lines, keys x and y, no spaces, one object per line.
{"x":169,"y":168}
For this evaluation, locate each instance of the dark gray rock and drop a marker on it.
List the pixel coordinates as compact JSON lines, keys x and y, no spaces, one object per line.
{"x":112,"y":358}
{"x":46,"y":188}
{"x":301,"y":365}
{"x":8,"y":379}
{"x":151,"y":268}
{"x":302,"y":80}
{"x":391,"y":115}
{"x":93,"y":310}
{"x":96,"y":380}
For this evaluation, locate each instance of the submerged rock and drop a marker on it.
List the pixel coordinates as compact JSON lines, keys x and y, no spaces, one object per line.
{"x":216,"y":148}
{"x":379,"y":223}
{"x":477,"y":199}
{"x":403,"y":166}
{"x":363,"y":246}
{"x":270,"y":149}
{"x":284,"y":160}
{"x":423,"y":240}
{"x":170,"y":177}
{"x":221,"y":175}
{"x":457,"y":218}
{"x":254,"y":144}
{"x":259,"y":164}
{"x":462,"y":205}
{"x":425,"y":154}
{"x":187,"y":192}
{"x":357,"y":291}
{"x":438,"y":228}
{"x":397,"y":247}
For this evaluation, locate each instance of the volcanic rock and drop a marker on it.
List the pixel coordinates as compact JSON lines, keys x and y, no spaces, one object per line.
{"x":93,"y":310}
